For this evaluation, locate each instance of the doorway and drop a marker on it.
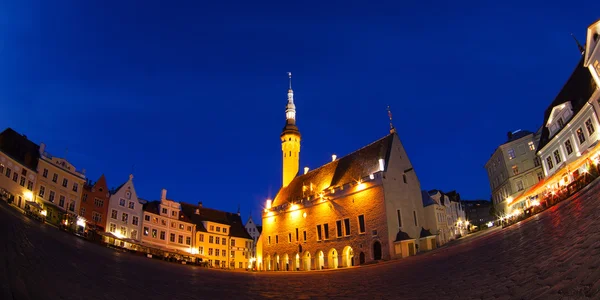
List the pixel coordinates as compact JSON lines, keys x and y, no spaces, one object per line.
{"x":377,"y":250}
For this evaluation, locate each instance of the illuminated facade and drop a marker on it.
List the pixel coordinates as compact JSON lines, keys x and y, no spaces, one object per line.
{"x":569,"y":138}
{"x":165,"y":226}
{"x":592,"y":51}
{"x":60,"y":186}
{"x":570,"y":125}
{"x":94,"y":204}
{"x":125,"y":213}
{"x":513,"y":168}
{"x":362,"y":207}
{"x":18,"y":167}
{"x":220,"y":237}
{"x":254,"y":231}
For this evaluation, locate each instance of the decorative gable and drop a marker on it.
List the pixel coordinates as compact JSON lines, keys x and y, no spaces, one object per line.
{"x":559,"y":117}
{"x":592,"y":51}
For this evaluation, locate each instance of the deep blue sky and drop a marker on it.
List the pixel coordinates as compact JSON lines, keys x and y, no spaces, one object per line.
{"x":194,"y":94}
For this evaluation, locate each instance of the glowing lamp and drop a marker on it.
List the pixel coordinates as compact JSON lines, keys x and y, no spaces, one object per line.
{"x":269,"y":203}
{"x":509,"y":200}
{"x":28,"y":195}
{"x":333,"y":157}
{"x":372,"y":176}
{"x":381,"y":164}
{"x":44,"y":213}
{"x":81,"y":222}
{"x":305,"y":170}
{"x":490,"y":224}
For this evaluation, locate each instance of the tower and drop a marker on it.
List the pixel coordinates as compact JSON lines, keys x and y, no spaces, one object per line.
{"x":290,"y":140}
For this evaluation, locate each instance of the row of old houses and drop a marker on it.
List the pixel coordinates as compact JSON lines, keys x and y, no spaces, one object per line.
{"x":532,"y":168}
{"x":55,"y":191}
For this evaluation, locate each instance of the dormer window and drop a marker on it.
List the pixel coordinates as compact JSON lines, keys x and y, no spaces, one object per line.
{"x":560,"y":122}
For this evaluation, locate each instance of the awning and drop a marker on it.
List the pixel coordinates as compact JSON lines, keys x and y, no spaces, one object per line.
{"x":34,"y":205}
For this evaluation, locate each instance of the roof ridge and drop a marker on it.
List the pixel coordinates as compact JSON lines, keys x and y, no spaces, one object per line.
{"x":357,"y":150}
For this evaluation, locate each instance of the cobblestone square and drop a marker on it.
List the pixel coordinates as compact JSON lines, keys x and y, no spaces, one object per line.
{"x":553,"y":255}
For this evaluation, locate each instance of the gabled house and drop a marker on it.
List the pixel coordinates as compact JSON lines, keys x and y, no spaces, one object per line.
{"x":94,"y":204}
{"x":165,"y":225}
{"x":220,"y":237}
{"x":125,"y":213}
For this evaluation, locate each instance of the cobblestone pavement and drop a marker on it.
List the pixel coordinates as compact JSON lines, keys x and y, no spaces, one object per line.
{"x":554,"y":255}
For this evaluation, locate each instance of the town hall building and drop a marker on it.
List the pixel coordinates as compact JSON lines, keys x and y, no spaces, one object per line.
{"x":363,"y":207}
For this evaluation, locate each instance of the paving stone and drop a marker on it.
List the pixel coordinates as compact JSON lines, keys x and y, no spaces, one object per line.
{"x":553,"y":255}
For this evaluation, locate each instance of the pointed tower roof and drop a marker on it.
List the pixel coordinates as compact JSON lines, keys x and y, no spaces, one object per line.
{"x":290,"y":112}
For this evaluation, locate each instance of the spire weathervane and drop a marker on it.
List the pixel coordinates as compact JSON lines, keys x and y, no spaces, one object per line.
{"x":392,"y":129}
{"x":581,"y":48}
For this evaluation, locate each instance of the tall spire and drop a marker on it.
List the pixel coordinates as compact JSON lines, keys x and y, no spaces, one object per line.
{"x":392,"y":129}
{"x":581,"y":48}
{"x":290,"y":110}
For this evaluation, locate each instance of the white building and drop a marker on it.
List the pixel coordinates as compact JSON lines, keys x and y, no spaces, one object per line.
{"x":513,"y":168}
{"x":570,"y":124}
{"x":254,"y":231}
{"x":592,"y":51}
{"x":452,"y":223}
{"x":125,"y":212}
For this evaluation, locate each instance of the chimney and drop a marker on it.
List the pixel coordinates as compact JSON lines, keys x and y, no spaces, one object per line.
{"x":510,"y":135}
{"x":333,"y":157}
{"x":305,"y":170}
{"x":199,"y":204}
{"x":164,"y":194}
{"x":197,"y":211}
{"x":42,"y":148}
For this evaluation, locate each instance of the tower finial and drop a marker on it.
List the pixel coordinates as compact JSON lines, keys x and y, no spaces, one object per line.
{"x":392,"y":129}
{"x":581,"y":48}
{"x":290,"y":76}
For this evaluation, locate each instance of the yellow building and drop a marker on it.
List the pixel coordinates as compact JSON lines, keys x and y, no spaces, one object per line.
{"x":362,"y":207}
{"x":18,"y":167}
{"x":59,"y":187}
{"x":221,"y":237}
{"x":165,"y":226}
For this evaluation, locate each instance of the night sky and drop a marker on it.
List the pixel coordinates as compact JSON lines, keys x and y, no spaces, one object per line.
{"x":193,"y":95}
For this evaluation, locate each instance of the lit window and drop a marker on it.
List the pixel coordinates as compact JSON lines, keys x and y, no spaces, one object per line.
{"x":580,"y":135}
{"x":531,"y":146}
{"x":515,"y":170}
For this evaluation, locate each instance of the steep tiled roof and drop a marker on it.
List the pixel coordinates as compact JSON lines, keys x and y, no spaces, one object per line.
{"x":236,"y":228}
{"x":344,"y":170}
{"x":425,"y":232}
{"x":426,"y":199}
{"x":402,"y":236}
{"x":152,"y":207}
{"x":578,"y":89}
{"x":19,"y":148}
